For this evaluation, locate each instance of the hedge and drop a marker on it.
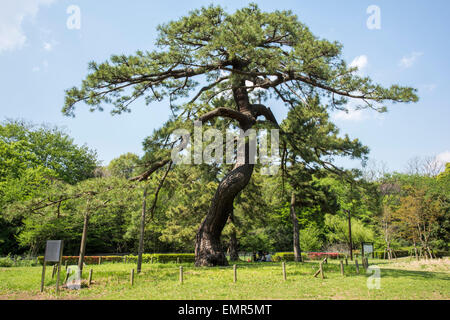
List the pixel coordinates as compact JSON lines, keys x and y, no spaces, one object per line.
{"x":146,"y":258}
{"x":164,"y":258}
{"x":323,"y":255}
{"x":73,"y":260}
{"x":402,"y":253}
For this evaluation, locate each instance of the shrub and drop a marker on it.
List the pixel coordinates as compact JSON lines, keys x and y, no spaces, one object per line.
{"x":146,"y":258}
{"x":286,"y":256}
{"x":9,"y":262}
{"x":164,"y":258}
{"x":73,"y":260}
{"x":323,"y":255}
{"x":6,"y":262}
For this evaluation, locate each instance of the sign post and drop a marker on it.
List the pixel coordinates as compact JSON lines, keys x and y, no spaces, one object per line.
{"x":367,"y":248}
{"x":53,"y":253}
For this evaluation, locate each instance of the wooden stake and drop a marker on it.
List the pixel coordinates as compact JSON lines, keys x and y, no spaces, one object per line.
{"x":99,"y":260}
{"x":342,"y":267}
{"x":320,"y":270}
{"x":235,"y":273}
{"x":58,"y":274}
{"x":67,"y":276}
{"x":181,"y":274}
{"x":90,"y":277}
{"x":284,"y":271}
{"x":357,"y":266}
{"x":132,"y":277}
{"x":43,"y":276}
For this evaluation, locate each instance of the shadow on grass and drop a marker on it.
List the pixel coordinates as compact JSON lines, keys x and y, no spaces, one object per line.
{"x":396,"y":273}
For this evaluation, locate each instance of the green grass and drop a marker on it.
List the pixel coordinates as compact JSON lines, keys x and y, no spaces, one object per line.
{"x":255,"y":282}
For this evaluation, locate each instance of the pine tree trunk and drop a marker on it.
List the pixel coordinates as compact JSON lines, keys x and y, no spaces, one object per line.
{"x":233,"y":247}
{"x":83,"y":243}
{"x":296,"y":230}
{"x":142,"y":231}
{"x":208,"y":247}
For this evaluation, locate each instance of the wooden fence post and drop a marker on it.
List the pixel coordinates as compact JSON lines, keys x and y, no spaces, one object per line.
{"x":181,"y":274}
{"x":342,"y":267}
{"x":235,"y":273}
{"x":58,"y":275}
{"x":357,"y":266}
{"x":43,"y":276}
{"x":132,"y":277}
{"x":284,"y":271}
{"x":320,"y":270}
{"x":99,"y":260}
{"x":90,"y":277}
{"x":67,"y":276}
{"x":53,"y":271}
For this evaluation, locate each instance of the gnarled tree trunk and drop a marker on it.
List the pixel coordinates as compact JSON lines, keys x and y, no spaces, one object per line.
{"x":208,"y":247}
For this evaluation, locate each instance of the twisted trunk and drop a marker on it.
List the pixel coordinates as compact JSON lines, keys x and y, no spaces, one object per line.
{"x":208,"y":247}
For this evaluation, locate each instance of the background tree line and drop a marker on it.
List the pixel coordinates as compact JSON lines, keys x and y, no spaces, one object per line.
{"x":49,"y":187}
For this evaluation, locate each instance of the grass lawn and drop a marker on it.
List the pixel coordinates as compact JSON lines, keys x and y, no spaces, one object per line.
{"x":402,"y":279}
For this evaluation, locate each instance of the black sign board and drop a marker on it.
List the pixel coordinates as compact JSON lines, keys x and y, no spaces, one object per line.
{"x":53,"y":251}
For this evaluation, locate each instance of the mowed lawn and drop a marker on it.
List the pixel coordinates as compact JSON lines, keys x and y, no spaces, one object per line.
{"x":402,"y":279}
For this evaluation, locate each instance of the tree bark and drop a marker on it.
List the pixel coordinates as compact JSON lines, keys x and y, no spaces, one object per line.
{"x":415,"y":251}
{"x":83,"y":243}
{"x":142,"y":231}
{"x":208,"y":247}
{"x":350,"y":242}
{"x":296,"y":230}
{"x":233,"y":247}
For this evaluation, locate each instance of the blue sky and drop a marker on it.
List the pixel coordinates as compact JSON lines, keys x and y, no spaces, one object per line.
{"x":40,"y":57}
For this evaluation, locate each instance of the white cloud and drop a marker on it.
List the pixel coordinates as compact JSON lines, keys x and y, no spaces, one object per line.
{"x":12,"y":15}
{"x":429,"y":87}
{"x":443,"y":157}
{"x":48,"y":46}
{"x":43,"y":67}
{"x":408,"y":61}
{"x":351,"y":115}
{"x":360,"y":62}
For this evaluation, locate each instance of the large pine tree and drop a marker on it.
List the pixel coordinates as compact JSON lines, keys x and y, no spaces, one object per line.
{"x":232,"y":55}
